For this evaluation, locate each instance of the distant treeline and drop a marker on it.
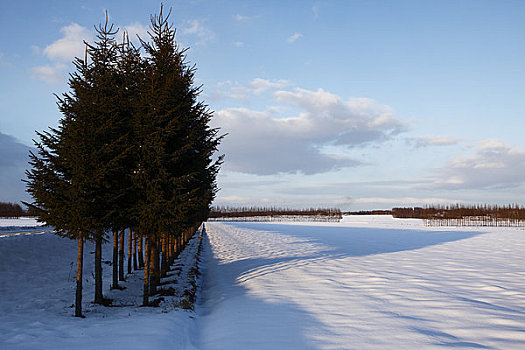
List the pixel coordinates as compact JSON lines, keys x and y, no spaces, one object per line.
{"x":11,"y":210}
{"x":408,"y":213}
{"x":243,"y":212}
{"x":466,"y":215}
{"x":369,"y":212}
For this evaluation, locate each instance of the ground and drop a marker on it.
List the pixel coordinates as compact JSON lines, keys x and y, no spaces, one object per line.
{"x":369,"y":282}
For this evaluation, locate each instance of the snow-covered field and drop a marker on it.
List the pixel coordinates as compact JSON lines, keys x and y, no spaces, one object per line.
{"x":37,"y":292}
{"x":15,"y":226}
{"x":364,"y":283}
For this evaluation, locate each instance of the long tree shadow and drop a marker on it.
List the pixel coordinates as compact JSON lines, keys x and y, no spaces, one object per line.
{"x":360,"y":241}
{"x":230,"y":317}
{"x":227,"y":309}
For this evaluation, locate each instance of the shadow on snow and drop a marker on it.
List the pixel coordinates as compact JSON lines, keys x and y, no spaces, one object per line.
{"x":359,"y":241}
{"x":227,"y":310}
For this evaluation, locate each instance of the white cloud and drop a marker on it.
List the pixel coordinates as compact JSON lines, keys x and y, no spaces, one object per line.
{"x":293,"y":38}
{"x":71,"y":44}
{"x":241,"y":18}
{"x":49,"y":74}
{"x":432,"y":140}
{"x":257,"y":86}
{"x":493,"y":165}
{"x":232,"y":199}
{"x":238,"y":44}
{"x":354,"y":122}
{"x":403,"y":201}
{"x":267,"y":142}
{"x":137,"y":29}
{"x":14,"y":158}
{"x":239,"y":91}
{"x":196,"y":28}
{"x":60,"y":52}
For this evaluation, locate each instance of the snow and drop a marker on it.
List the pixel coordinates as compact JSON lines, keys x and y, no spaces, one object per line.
{"x":21,"y":225}
{"x":37,"y":292}
{"x":20,"y":222}
{"x":367,"y":282}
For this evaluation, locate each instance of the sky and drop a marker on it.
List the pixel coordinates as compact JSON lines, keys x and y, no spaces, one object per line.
{"x":351,"y":104}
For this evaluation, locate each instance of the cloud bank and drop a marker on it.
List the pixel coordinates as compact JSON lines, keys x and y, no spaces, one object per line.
{"x":493,"y":165}
{"x":14,"y":157}
{"x":432,"y":140}
{"x":293,"y":38}
{"x":290,"y":137}
{"x":196,"y":28}
{"x":63,"y":51}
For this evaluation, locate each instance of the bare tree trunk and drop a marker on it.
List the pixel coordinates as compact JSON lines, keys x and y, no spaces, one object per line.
{"x":157,"y":255}
{"x":164,"y":260}
{"x":177,"y":245}
{"x":140,"y":252}
{"x":170,"y":250}
{"x":80,"y":265}
{"x":145,"y":294}
{"x":153,"y":267}
{"x":115,"y":260}
{"x":135,"y":262}
{"x":99,"y":298}
{"x":121,"y":276}
{"x":130,"y":248}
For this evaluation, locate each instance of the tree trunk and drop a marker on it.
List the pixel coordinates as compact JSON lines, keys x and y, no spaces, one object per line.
{"x":170,"y":250}
{"x":157,"y":254}
{"x":177,"y":246}
{"x":130,"y":248}
{"x":121,"y":257}
{"x":140,"y":252}
{"x":135,"y":262}
{"x":145,"y":294}
{"x":115,"y":260}
{"x":99,"y":299}
{"x":80,"y":265}
{"x":164,"y":261}
{"x":153,"y":266}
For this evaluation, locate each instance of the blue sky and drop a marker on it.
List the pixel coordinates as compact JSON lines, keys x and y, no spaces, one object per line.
{"x":354,"y":104}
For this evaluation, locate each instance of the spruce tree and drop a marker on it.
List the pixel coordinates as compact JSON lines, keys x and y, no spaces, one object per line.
{"x":52,"y":182}
{"x":175,"y":173}
{"x":133,"y":150}
{"x":77,"y":162}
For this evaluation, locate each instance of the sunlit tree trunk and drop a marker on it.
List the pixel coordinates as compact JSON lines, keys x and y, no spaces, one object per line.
{"x":145,"y":294}
{"x":130,"y":248}
{"x":164,"y":259}
{"x":80,"y":264}
{"x":121,"y":276}
{"x":115,"y":260}
{"x":135,"y":262}
{"x":140,"y":251}
{"x":99,"y":299}
{"x":153,"y":245}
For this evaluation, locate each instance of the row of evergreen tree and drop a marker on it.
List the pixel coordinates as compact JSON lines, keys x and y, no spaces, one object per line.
{"x":133,"y":149}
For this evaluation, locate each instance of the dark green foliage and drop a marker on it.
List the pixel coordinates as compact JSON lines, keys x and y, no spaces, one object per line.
{"x":176,"y":174}
{"x":133,"y":149}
